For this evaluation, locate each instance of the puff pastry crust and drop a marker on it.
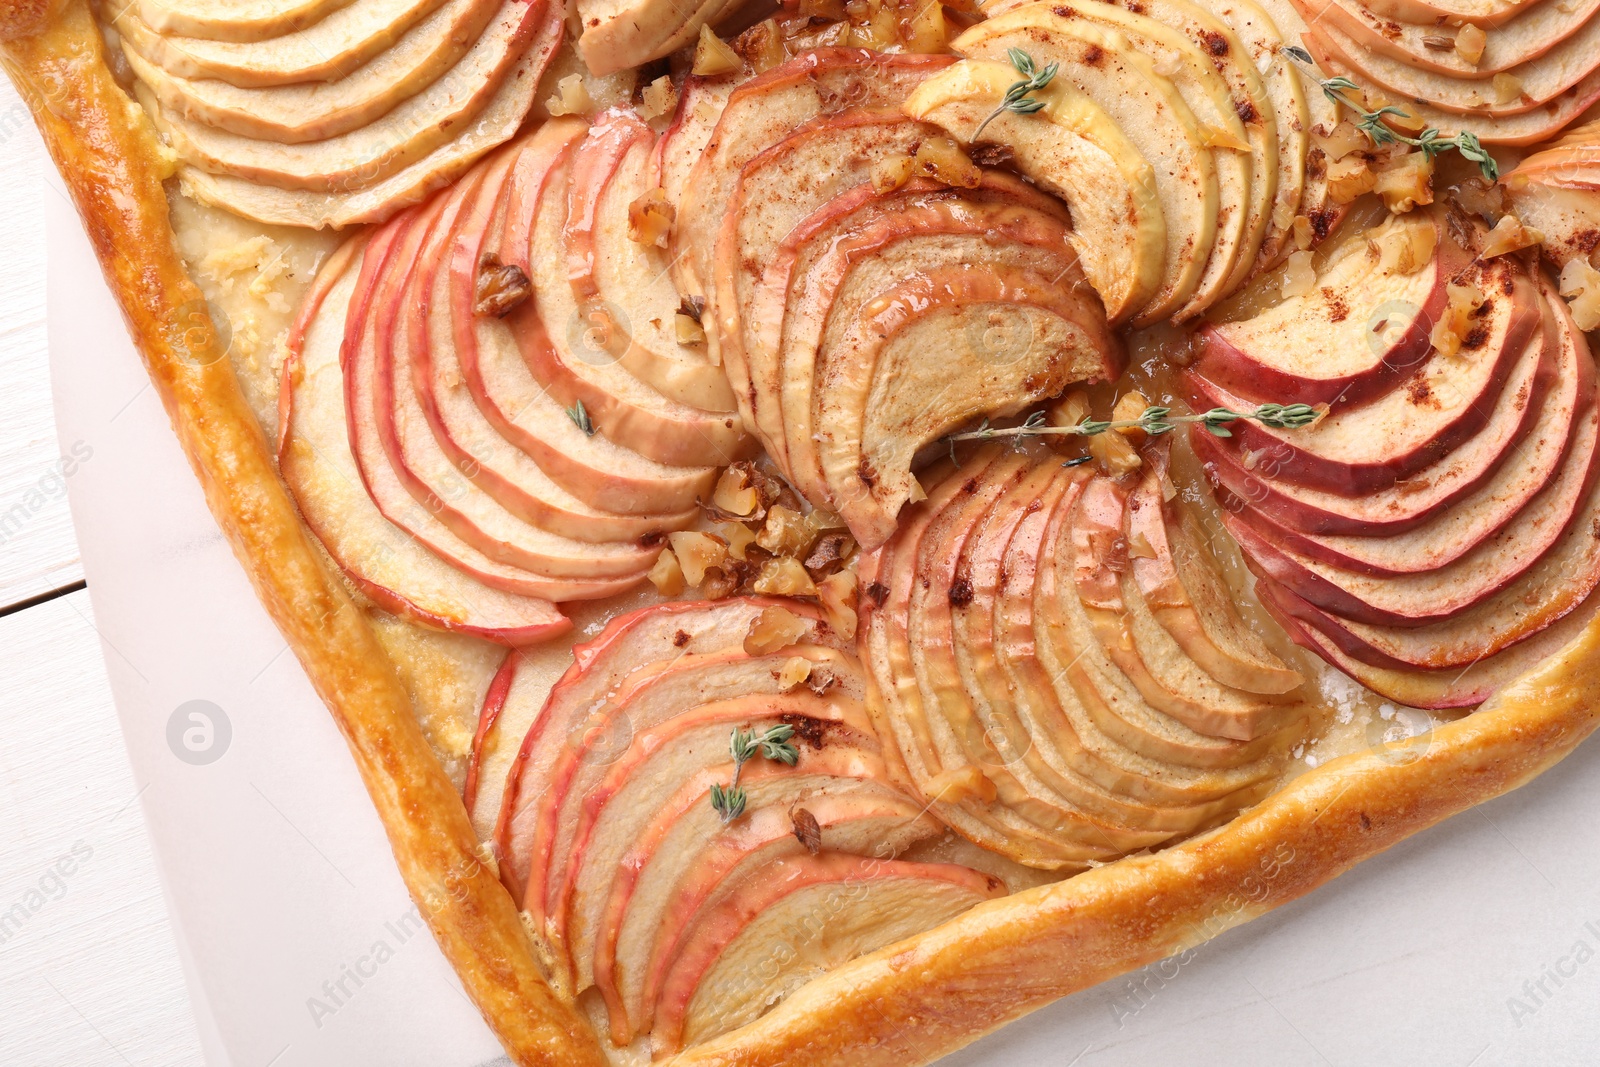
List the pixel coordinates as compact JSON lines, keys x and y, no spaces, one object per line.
{"x":907,"y":1004}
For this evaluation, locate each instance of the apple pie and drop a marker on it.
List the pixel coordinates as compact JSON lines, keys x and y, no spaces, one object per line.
{"x":827,"y":526}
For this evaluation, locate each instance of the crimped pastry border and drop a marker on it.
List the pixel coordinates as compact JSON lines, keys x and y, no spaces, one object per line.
{"x":907,"y":1004}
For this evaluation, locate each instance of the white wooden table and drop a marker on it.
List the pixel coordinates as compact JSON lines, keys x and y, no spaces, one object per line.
{"x":89,"y":973}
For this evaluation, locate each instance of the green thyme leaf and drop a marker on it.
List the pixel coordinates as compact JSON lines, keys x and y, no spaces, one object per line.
{"x":1018,"y":98}
{"x":580,"y":418}
{"x":1154,"y":421}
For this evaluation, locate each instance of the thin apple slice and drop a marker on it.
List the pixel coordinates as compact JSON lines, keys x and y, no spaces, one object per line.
{"x":1453,"y":687}
{"x":1205,"y":60}
{"x":1488,"y":509}
{"x":1547,"y":591}
{"x":1483,"y":13}
{"x":1410,"y":503}
{"x":235,"y":20}
{"x":374,"y":447}
{"x":880,"y":397}
{"x":1362,"y":328}
{"x":391,"y":568}
{"x":1072,"y":148}
{"x":1181,"y":585}
{"x":1195,"y":767}
{"x":411,"y":480}
{"x":1567,"y":214}
{"x":866,"y":821}
{"x":1134,"y":640}
{"x":1007,"y":537}
{"x":619,"y":34}
{"x":1105,"y":65}
{"x":1367,"y":448}
{"x":323,"y":51}
{"x":380,"y":149}
{"x":1288,"y":112}
{"x":700,"y":104}
{"x":375,"y":200}
{"x":314,"y":111}
{"x":888,"y":577}
{"x":568,"y":350}
{"x":724,"y":978}
{"x":651,"y":696}
{"x":1531,"y":33}
{"x":1040,"y":830}
{"x":629,"y":643}
{"x":848,"y":252}
{"x":444,"y":290}
{"x":1539,"y":81}
{"x":628,"y":281}
{"x":602,"y":474}
{"x":1540,"y":123}
{"x":761,"y":112}
{"x":775,"y":191}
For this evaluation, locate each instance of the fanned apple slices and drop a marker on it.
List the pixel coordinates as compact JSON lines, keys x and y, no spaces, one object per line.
{"x":641,"y":888}
{"x":1556,"y":191}
{"x":440,"y":437}
{"x":1050,"y":701}
{"x":1438,"y":583}
{"x":1203,"y":123}
{"x":345,"y":113}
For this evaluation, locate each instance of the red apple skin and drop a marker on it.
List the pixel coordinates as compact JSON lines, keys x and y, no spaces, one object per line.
{"x":494,"y":701}
{"x":541,"y":619}
{"x":715,"y":930}
{"x":638,"y":638}
{"x":613,"y":134}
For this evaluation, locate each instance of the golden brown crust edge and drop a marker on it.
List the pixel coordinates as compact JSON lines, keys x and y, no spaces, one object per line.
{"x":924,"y":998}
{"x":906,"y":1005}
{"x":105,"y":151}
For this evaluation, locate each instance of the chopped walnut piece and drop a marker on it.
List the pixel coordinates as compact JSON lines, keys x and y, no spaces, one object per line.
{"x":1469,"y":43}
{"x":734,"y":494}
{"x":687,"y":331}
{"x":1509,"y":235}
{"x":785,"y":533}
{"x":657,"y":99}
{"x":1304,"y":233}
{"x":739,"y":537}
{"x":838,"y":593}
{"x":500,"y":288}
{"x":1580,"y":284}
{"x":939,"y":157}
{"x":1115,"y":453}
{"x":1069,"y":410}
{"x":713,"y":57}
{"x":890,"y":173}
{"x":721,"y":581}
{"x":570,"y":98}
{"x":667,"y":575}
{"x":783,"y":576}
{"x":1130,"y":406}
{"x":1350,"y":178}
{"x":697,"y":553}
{"x":795,"y":670}
{"x":926,"y":31}
{"x":1455,"y":321}
{"x":773,"y":629}
{"x":650,"y":218}
{"x":1405,"y":181}
{"x":829,"y":552}
{"x":1344,"y":139}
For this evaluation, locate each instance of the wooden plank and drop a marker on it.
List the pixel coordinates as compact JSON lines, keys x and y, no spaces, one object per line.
{"x":38,"y":552}
{"x":89,"y":971}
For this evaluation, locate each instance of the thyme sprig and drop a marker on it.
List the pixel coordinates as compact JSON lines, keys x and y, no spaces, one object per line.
{"x":1431,"y":141}
{"x":1017,"y":99}
{"x":772,"y":743}
{"x":580,"y":418}
{"x":1154,"y":421}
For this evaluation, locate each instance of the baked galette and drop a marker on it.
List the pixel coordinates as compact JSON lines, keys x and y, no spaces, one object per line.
{"x":828,"y":526}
